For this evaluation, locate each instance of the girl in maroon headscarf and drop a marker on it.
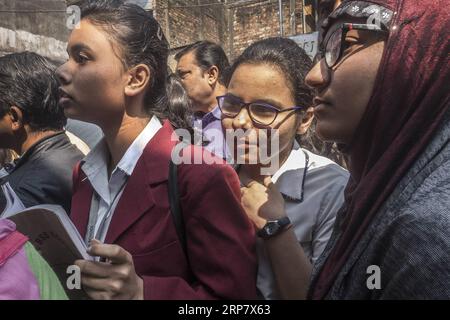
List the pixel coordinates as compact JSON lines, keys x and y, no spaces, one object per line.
{"x":382,"y":93}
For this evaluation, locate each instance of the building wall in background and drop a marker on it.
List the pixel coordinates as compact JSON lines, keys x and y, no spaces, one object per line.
{"x":41,"y":25}
{"x":256,"y":20}
{"x":34,"y":25}
{"x":235,"y":24}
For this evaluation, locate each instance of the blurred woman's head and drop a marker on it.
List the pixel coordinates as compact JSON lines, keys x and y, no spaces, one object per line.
{"x":178,"y":101}
{"x":117,"y":64}
{"x":267,"y":91}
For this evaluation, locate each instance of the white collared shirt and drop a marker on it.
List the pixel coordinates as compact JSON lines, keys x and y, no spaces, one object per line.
{"x":313,"y":218}
{"x":107,"y":192}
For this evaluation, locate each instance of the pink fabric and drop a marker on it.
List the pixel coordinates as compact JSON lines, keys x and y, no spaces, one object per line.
{"x":17,"y":281}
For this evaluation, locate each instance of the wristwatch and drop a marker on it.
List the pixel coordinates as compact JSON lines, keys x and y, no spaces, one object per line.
{"x":273,"y":227}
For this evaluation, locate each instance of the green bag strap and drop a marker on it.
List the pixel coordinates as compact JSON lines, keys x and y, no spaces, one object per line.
{"x":49,"y":285}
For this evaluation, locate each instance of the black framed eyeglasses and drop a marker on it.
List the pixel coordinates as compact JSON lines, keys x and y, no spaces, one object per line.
{"x":334,"y":43}
{"x":259,"y":112}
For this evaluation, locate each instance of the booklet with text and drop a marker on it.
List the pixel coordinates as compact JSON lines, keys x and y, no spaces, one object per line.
{"x":55,"y":237}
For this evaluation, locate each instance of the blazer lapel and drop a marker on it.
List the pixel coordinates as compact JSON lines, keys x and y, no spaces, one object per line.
{"x":81,"y":204}
{"x":137,"y":198}
{"x":134,"y":202}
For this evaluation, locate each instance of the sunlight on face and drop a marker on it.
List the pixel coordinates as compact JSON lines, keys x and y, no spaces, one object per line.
{"x":267,"y":84}
{"x":93,"y":78}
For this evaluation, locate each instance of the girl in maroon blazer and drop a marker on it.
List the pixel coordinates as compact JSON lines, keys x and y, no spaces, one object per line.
{"x":116,"y":78}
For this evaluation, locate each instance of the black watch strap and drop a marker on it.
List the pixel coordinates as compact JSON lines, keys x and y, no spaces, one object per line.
{"x":274,"y":227}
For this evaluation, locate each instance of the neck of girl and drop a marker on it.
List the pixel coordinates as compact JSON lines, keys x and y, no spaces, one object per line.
{"x":120,"y":135}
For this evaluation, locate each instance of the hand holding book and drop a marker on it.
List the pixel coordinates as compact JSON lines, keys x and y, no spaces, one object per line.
{"x":113,"y":277}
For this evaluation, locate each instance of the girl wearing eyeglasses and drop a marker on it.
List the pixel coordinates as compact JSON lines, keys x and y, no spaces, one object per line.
{"x":293,"y":198}
{"x":382,"y":94}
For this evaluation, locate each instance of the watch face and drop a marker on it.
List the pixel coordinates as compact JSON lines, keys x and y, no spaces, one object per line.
{"x":272,"y":228}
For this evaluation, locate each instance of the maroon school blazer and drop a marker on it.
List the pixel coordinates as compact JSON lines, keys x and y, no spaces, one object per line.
{"x":220,"y":238}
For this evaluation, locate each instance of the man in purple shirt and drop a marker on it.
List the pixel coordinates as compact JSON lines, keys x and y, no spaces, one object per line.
{"x":202,"y":69}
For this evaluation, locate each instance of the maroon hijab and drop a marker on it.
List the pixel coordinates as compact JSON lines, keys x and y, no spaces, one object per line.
{"x":408,"y":103}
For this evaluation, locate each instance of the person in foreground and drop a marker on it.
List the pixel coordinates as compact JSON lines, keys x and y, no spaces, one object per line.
{"x":293,"y":207}
{"x":116,"y":78}
{"x":382,"y":94}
